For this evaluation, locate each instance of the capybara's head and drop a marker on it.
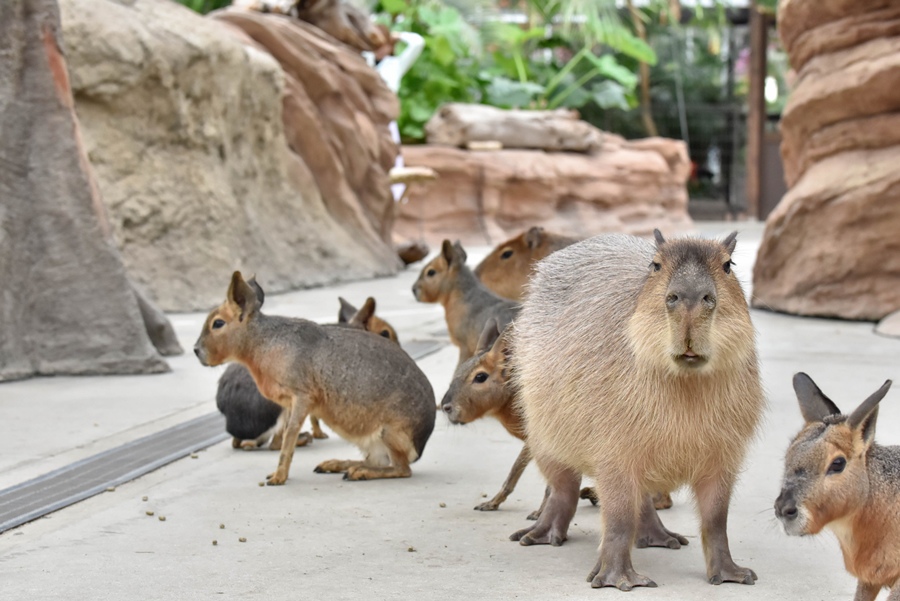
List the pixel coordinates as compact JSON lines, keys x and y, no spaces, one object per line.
{"x":506,"y":270}
{"x":439,"y":276}
{"x":225,"y":327}
{"x":479,"y":385}
{"x":366,"y":319}
{"x":826,"y":474}
{"x":692,"y":314}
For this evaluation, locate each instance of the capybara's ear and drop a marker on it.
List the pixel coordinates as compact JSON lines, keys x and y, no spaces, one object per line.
{"x":241,"y":294}
{"x":659,"y":238}
{"x":534,"y":236}
{"x":814,"y":405}
{"x":863,"y":417}
{"x":488,"y":336}
{"x":730,"y":242}
{"x":347,"y":311}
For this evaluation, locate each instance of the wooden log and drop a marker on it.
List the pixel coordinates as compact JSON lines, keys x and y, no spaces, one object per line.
{"x":560,"y":130}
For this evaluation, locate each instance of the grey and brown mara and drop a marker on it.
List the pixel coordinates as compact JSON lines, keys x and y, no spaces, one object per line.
{"x":364,"y":387}
{"x":836,"y":477}
{"x":636,"y":365}
{"x":468,"y":305}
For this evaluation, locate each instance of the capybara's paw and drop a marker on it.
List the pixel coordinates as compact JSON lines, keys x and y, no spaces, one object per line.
{"x":488,"y":506}
{"x":622,"y":579}
{"x":588,"y":493}
{"x":733,"y":574}
{"x":332,"y":466}
{"x":662,"y":500}
{"x":304,"y":438}
{"x":658,"y":536}
{"x":277,"y":478}
{"x":539,"y":534}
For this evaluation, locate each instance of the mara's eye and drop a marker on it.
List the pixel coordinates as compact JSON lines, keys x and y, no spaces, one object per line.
{"x":480,"y":377}
{"x":506,"y":254}
{"x":385,"y":333}
{"x":727,"y":266}
{"x":218,"y":324}
{"x":837,"y":466}
{"x":430,"y":272}
{"x":656,"y":266}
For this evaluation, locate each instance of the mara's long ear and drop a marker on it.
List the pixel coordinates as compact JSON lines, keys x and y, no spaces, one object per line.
{"x":659,"y":238}
{"x":814,"y":405}
{"x":241,"y":294}
{"x":447,"y":251}
{"x":534,"y":236}
{"x":730,"y":242}
{"x":257,"y":289}
{"x":461,"y":255}
{"x":347,"y":311}
{"x":864,"y":417}
{"x":488,"y":336}
{"x":362,"y":317}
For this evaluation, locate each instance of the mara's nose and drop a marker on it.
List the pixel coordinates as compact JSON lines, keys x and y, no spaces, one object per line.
{"x":415,"y":291}
{"x":197,"y":351}
{"x":785,"y":507}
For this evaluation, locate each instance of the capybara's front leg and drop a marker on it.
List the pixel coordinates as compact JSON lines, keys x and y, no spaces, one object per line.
{"x":296,"y":415}
{"x":512,"y":479}
{"x":620,"y":510}
{"x":552,"y":526}
{"x":713,"y":497}
{"x":868,"y":592}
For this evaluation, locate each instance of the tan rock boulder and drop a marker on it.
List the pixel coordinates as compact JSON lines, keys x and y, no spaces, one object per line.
{"x":830,"y":248}
{"x":890,"y":325}
{"x":484,"y":197}
{"x":183,"y":125}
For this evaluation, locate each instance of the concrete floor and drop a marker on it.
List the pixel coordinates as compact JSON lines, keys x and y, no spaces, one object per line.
{"x":319,"y":537}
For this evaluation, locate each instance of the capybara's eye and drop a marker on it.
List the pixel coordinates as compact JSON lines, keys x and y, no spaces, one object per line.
{"x":218,"y":324}
{"x":430,"y":272}
{"x":480,"y":377}
{"x":727,"y":266}
{"x":506,"y":254}
{"x":385,"y":333}
{"x":837,"y":466}
{"x":656,"y":266}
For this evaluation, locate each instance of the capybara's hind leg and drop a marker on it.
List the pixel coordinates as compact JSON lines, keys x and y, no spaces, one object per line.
{"x":395,"y":447}
{"x":552,"y":526}
{"x":713,"y":497}
{"x":652,"y":532}
{"x":662,"y":500}
{"x":317,"y":431}
{"x":512,"y":479}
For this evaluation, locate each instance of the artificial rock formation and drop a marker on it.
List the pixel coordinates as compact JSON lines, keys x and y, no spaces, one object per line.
{"x":831,"y":246}
{"x":484,"y":197}
{"x":183,"y":124}
{"x":66,"y":304}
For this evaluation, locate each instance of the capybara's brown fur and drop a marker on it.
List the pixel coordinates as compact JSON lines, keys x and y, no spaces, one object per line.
{"x":506,"y":270}
{"x":364,"y":387}
{"x":636,"y":365}
{"x":468,"y":305}
{"x":837,"y":477}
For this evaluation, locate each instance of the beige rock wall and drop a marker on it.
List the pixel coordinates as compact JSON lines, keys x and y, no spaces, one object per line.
{"x":183,"y":125}
{"x":831,"y":246}
{"x":484,"y":197}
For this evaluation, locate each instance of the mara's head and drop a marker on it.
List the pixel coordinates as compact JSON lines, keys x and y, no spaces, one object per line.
{"x":826,"y":473}
{"x":438,"y":277}
{"x":479,"y":385}
{"x":506,"y":270}
{"x":223,"y":332}
{"x":691,"y":314}
{"x":365,"y":318}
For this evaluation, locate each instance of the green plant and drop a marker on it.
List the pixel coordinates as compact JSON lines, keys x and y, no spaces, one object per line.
{"x":205,"y":6}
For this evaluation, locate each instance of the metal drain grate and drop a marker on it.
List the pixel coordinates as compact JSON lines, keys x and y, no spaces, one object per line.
{"x":72,"y":483}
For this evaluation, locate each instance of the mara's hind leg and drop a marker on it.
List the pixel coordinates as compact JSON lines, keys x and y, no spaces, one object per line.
{"x":552,"y":527}
{"x":713,"y":498}
{"x":395,"y":449}
{"x":296,"y":414}
{"x":512,"y":479}
{"x":336,"y":466}
{"x":652,"y":533}
{"x":620,"y":508}
{"x":317,"y":431}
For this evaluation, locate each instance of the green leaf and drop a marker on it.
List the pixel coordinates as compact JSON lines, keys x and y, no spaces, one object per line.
{"x":507,"y":93}
{"x":395,"y":7}
{"x":609,"y":67}
{"x":609,"y":95}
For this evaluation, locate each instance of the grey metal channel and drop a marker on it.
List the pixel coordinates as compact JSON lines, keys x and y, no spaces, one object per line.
{"x":72,"y":483}
{"x":78,"y":481}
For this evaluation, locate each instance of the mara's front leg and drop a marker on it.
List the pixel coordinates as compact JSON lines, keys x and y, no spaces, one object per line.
{"x":296,"y":413}
{"x":620,"y":508}
{"x":512,"y":479}
{"x":713,"y":498}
